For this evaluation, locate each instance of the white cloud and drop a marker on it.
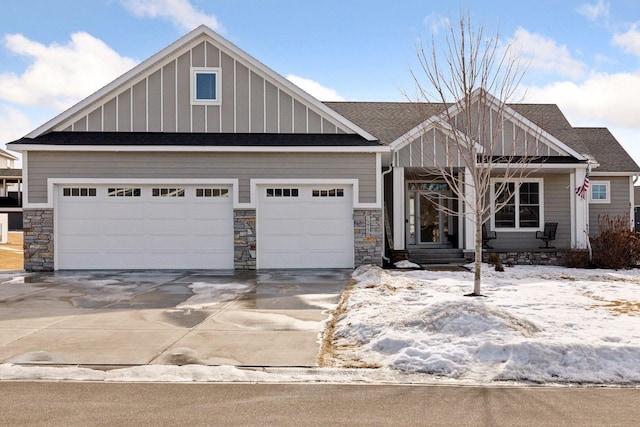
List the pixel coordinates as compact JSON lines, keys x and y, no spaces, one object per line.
{"x":629,"y":41}
{"x":13,"y":123}
{"x":595,"y":11}
{"x":545,"y":55}
{"x":59,"y":76}
{"x":315,"y":89}
{"x":437,"y":22}
{"x":180,"y":12}
{"x":601,"y":99}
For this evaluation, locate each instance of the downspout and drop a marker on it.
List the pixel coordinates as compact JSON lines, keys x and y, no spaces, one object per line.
{"x":384,"y":232}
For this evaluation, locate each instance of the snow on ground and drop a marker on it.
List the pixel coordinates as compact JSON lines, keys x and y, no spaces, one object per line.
{"x":536,"y":323}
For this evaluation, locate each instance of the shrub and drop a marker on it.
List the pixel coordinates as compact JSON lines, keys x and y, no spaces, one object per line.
{"x":576,"y":258}
{"x":494,"y":258}
{"x":616,"y":245}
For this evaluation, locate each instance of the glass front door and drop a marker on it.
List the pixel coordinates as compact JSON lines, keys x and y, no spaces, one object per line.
{"x":427,"y":222}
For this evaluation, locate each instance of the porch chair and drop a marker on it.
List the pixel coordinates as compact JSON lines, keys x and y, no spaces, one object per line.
{"x":548,"y":234}
{"x":486,"y":236}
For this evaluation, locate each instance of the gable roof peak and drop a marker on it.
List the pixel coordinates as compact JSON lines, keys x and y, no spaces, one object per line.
{"x":198,"y":34}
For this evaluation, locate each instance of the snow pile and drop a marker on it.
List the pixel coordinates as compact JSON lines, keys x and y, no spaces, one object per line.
{"x":541,"y":324}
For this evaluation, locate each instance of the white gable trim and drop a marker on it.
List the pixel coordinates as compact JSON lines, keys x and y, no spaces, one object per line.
{"x":202,"y":32}
{"x":434,"y":122}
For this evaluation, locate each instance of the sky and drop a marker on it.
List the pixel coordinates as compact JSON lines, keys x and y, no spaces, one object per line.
{"x":583,"y":55}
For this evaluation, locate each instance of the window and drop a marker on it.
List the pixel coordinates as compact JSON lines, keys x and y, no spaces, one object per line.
{"x":167,"y":192}
{"x":78,"y":192}
{"x":599,"y":192}
{"x":123,"y":192}
{"x":521,"y":204}
{"x":212,"y":192}
{"x":282,"y":192}
{"x":205,"y":86}
{"x":334,"y":192}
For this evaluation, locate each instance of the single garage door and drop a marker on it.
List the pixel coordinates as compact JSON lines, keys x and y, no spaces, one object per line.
{"x":305,"y":226}
{"x":144,"y":227}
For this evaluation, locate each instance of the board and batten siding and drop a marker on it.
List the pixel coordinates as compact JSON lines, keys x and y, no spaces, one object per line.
{"x":557,"y":201}
{"x":620,"y":204}
{"x":241,"y":166}
{"x":159,"y":100}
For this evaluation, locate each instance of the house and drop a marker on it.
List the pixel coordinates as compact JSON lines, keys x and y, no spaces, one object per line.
{"x":10,"y":190}
{"x":201,"y":157}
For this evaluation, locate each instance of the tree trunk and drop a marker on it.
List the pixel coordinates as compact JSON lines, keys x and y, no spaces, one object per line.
{"x":477,"y":277}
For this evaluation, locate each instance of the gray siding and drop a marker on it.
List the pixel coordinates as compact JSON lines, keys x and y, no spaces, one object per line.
{"x":557,"y":196}
{"x":429,"y":150}
{"x":159,"y":100}
{"x":620,"y":203}
{"x":242,"y":166}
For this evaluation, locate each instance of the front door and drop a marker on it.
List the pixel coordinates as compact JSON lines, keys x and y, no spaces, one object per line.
{"x":427,"y":222}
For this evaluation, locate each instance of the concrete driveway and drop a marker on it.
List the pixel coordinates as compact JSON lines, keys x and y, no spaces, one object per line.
{"x":111,"y":318}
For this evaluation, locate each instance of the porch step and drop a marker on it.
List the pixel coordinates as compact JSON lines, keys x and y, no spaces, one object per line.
{"x":436,"y":256}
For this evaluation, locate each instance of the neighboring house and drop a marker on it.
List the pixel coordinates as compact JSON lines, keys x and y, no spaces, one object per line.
{"x":10,"y":190}
{"x":201,"y":157}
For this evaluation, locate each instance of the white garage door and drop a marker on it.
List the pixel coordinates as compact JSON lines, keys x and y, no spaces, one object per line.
{"x":144,"y":226}
{"x":305,"y":226}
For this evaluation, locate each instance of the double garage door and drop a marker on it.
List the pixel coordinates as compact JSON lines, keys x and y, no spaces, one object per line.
{"x":144,"y":227}
{"x":191,"y":227}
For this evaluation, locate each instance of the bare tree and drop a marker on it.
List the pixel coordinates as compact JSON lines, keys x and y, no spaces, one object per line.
{"x":475,"y":78}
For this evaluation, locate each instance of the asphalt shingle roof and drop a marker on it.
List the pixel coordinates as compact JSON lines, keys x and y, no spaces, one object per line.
{"x":388,"y":121}
{"x":198,"y":139}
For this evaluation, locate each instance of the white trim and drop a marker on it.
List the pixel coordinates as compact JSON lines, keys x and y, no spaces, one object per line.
{"x":166,"y":55}
{"x":192,"y":85}
{"x":399,"y":225}
{"x":607,"y":185}
{"x":379,"y":184}
{"x":517,"y":181}
{"x":572,"y":206}
{"x":631,"y":174}
{"x":23,"y":148}
{"x":52,"y":182}
{"x":255,"y":182}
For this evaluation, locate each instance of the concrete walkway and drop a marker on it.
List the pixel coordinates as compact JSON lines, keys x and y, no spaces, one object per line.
{"x":155,"y":317}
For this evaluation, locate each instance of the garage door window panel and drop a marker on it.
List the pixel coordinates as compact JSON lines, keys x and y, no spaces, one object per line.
{"x":124,"y":192}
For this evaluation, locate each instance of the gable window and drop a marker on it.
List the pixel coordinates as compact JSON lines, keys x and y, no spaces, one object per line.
{"x":205,"y":86}
{"x":599,"y":192}
{"x":517,"y":205}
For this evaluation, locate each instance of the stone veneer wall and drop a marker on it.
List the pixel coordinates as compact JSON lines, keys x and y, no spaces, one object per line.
{"x":244,"y":239}
{"x":523,"y":257}
{"x":38,"y":239}
{"x":367,"y":229}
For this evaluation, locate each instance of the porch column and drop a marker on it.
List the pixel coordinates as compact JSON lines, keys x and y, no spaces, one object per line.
{"x":470,"y":217}
{"x":398,"y":209}
{"x":581,"y":212}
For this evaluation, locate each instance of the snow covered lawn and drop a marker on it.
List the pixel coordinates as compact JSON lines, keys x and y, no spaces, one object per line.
{"x":540,"y":324}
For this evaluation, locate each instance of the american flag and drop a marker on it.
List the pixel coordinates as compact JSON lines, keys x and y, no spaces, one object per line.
{"x":582,"y":190}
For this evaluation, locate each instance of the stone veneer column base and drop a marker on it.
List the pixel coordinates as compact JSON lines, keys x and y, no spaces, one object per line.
{"x":367,"y":229}
{"x":244,"y":239}
{"x":38,"y":239}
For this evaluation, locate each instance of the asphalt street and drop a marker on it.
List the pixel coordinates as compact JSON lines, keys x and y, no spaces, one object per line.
{"x":109,"y":404}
